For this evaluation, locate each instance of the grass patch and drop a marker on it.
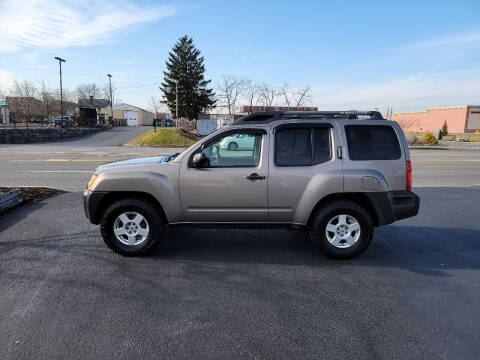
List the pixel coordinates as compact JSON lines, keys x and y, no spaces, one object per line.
{"x":162,"y":137}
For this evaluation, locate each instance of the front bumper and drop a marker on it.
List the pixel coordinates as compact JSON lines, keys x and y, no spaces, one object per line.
{"x":91,"y":205}
{"x":394,"y":205}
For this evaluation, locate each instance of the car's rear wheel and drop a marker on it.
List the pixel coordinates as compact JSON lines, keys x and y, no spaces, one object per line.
{"x":342,"y":229}
{"x":132,"y":227}
{"x":232,"y":146}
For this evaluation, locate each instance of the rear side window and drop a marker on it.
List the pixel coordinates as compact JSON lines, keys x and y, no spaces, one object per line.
{"x":302,"y":146}
{"x":372,"y":142}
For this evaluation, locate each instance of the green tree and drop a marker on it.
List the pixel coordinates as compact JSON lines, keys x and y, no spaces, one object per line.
{"x":445,"y":128}
{"x":185,"y":65}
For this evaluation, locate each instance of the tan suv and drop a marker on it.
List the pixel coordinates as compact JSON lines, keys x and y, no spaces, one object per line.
{"x":338,"y":174}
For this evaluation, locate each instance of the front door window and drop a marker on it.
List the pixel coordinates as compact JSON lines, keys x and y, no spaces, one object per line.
{"x":235,"y":150}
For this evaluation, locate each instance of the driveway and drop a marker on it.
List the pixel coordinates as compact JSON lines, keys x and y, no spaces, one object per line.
{"x":242,"y":293}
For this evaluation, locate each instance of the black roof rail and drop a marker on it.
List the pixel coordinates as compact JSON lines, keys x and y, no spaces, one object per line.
{"x":269,"y":116}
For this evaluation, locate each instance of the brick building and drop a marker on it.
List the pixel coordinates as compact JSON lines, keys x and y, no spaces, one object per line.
{"x":245,"y":109}
{"x":23,"y":108}
{"x":460,"y":119}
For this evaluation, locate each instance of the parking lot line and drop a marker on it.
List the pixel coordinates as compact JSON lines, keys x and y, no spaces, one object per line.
{"x":60,"y":171}
{"x":445,"y":160}
{"x":67,"y":160}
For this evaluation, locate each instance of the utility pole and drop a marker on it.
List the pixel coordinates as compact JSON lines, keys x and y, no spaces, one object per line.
{"x":60,"y":60}
{"x":111,"y":98}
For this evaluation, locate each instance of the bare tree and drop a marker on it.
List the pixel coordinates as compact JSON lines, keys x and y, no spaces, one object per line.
{"x":407,"y":123}
{"x":295,"y":97}
{"x":27,"y":103}
{"x":48,"y":100}
{"x":87,"y":90}
{"x":267,"y":94}
{"x":229,"y":90}
{"x":285,"y":92}
{"x":303,"y":96}
{"x":251,"y":94}
{"x":106,"y":94}
{"x":154,"y":105}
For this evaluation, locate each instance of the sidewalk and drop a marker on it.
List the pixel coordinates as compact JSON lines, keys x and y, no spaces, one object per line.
{"x":448,"y":145}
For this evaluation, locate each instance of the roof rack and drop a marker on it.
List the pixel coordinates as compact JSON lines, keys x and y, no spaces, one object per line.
{"x":269,"y":116}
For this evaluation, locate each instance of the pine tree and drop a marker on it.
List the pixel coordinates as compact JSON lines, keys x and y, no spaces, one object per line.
{"x":445,"y":128}
{"x":186,"y":66}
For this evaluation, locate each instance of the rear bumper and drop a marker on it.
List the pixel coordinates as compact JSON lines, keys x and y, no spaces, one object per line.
{"x":394,"y":205}
{"x":91,"y":202}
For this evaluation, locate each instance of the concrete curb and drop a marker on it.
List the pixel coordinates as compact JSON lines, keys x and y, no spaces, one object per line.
{"x":444,"y":147}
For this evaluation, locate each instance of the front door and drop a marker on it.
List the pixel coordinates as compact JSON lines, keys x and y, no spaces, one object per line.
{"x":233,"y":189}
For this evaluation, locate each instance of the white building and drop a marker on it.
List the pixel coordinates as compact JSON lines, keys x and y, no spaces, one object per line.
{"x":133,"y":114}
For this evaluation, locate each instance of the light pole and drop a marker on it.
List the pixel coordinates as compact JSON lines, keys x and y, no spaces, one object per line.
{"x":60,"y":60}
{"x":111,"y":99}
{"x":176,"y":102}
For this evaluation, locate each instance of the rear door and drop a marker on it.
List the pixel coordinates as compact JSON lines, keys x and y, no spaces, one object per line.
{"x":373,"y":156}
{"x":304,"y":168}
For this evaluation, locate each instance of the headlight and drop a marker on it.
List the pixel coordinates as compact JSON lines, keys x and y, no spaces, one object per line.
{"x":91,"y":183}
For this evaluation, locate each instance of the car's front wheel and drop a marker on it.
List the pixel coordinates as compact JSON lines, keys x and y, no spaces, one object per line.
{"x":132,"y":227}
{"x":342,"y":229}
{"x":232,"y":146}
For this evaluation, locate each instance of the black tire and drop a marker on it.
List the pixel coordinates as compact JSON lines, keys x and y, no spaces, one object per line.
{"x":331,"y":210}
{"x":232,"y":146}
{"x":155,"y":221}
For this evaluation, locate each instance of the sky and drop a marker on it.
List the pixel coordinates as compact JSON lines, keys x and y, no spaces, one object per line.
{"x":410,"y":55}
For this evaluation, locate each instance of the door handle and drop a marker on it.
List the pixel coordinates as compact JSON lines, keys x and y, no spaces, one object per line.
{"x":255,"y":176}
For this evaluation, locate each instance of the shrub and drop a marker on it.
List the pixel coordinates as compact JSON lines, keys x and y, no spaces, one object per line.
{"x":429,"y":138}
{"x":411,"y":138}
{"x":187,"y":132}
{"x":420,"y":140}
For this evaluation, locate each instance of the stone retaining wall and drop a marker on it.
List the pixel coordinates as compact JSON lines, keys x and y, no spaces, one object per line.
{"x":24,"y":135}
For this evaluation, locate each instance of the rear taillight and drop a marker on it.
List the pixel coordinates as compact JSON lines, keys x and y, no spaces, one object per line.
{"x":409,"y":175}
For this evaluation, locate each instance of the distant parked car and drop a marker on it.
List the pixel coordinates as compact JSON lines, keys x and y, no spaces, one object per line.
{"x":238,"y":142}
{"x":65,"y":121}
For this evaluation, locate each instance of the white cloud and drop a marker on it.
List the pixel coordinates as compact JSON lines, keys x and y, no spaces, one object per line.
{"x":411,"y":93}
{"x":435,"y":72}
{"x":62,"y":23}
{"x":444,"y":41}
{"x":6,"y":82}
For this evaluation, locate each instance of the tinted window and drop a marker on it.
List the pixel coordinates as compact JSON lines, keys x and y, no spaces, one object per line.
{"x":372,"y":142}
{"x":235,"y":150}
{"x":321,"y":145}
{"x":293,"y":147}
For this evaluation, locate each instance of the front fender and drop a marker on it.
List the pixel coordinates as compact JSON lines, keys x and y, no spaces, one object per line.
{"x":162,"y":185}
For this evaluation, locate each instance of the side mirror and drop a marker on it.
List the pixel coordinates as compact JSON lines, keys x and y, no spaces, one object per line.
{"x":200,"y":160}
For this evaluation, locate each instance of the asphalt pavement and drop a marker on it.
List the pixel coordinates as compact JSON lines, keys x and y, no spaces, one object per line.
{"x":260,"y":294}
{"x":68,"y":164}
